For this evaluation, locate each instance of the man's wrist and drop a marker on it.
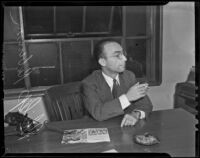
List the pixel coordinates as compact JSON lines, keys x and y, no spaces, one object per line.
{"x":136,"y":114}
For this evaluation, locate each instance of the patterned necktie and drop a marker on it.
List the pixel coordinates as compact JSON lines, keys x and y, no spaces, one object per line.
{"x":115,"y":87}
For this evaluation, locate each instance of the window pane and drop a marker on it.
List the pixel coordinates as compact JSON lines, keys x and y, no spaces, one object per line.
{"x":44,"y":77}
{"x":97,"y":18}
{"x":13,"y":73}
{"x":76,"y":60}
{"x":136,"y":57}
{"x":43,"y":54}
{"x":136,"y":20}
{"x":69,"y":19}
{"x":11,"y":23}
{"x":44,"y":63}
{"x":117,"y":22}
{"x":11,"y":79}
{"x":11,"y":55}
{"x":38,"y":20}
{"x":94,"y":21}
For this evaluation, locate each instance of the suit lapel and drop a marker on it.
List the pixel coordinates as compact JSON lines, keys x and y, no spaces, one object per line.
{"x":122,"y":88}
{"x":104,"y":86}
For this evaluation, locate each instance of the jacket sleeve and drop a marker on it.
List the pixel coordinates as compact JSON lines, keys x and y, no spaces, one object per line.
{"x":96,"y":107}
{"x":143,"y":104}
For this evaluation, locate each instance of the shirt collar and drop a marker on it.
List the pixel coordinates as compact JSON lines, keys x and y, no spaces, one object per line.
{"x":109,"y":80}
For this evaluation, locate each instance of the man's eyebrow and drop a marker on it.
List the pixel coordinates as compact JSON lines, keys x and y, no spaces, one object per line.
{"x":118,"y":51}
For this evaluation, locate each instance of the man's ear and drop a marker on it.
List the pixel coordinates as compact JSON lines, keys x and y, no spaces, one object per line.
{"x":102,"y":61}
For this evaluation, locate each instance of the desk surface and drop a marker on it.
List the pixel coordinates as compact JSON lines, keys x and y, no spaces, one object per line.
{"x":174,"y":128}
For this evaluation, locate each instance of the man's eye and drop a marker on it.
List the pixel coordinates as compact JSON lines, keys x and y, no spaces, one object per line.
{"x":118,"y":56}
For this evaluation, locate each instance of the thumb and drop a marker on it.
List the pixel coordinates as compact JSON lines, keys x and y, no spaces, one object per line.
{"x":136,"y":84}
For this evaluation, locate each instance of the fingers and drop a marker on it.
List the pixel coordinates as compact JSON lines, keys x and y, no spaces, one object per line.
{"x":142,"y":92}
{"x":142,"y":88}
{"x":123,"y":121}
{"x":144,"y":85}
{"x":137,"y":91}
{"x":129,"y":123}
{"x":128,"y":120}
{"x":137,"y":84}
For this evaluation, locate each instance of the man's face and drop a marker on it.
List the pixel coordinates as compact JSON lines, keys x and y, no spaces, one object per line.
{"x":115,"y":60}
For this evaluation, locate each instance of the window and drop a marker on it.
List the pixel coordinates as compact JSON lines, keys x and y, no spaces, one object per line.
{"x":60,"y":42}
{"x":72,"y":21}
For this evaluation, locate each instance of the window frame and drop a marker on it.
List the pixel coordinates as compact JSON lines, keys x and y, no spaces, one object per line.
{"x":154,"y":57}
{"x":82,"y":34}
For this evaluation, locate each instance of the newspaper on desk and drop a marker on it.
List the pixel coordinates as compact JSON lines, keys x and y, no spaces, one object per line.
{"x":88,"y":135}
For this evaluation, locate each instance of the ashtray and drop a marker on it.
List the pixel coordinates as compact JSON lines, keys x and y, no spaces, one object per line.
{"x":146,"y":139}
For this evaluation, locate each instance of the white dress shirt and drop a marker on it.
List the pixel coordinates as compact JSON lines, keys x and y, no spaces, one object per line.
{"x":123,"y":99}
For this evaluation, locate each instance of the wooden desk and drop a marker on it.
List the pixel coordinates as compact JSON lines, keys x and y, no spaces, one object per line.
{"x":175,"y":129}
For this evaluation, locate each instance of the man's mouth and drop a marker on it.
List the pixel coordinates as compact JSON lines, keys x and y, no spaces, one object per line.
{"x":123,"y":65}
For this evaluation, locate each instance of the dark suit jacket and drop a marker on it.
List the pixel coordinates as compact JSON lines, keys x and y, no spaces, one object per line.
{"x":98,"y":99}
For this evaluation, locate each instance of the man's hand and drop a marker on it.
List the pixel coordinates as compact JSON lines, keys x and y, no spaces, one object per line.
{"x":130,"y":119}
{"x":137,"y":91}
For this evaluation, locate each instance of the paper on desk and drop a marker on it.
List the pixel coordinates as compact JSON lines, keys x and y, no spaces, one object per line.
{"x":88,"y":135}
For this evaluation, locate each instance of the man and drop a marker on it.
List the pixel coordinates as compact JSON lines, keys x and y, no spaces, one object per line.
{"x":105,"y":97}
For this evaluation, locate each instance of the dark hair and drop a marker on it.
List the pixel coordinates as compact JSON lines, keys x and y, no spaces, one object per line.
{"x":98,"y":50}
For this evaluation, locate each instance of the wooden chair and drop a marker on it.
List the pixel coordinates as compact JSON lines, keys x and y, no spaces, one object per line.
{"x":64,"y":102}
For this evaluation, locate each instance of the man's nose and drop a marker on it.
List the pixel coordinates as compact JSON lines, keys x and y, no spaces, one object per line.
{"x":124,"y":57}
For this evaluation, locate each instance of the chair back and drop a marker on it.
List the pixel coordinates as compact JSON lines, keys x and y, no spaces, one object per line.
{"x":64,"y":102}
